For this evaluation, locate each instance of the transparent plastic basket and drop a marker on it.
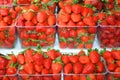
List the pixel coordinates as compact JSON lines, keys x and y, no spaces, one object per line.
{"x":76,"y":36}
{"x":40,"y":77}
{"x":9,"y":77}
{"x":109,"y":36}
{"x":95,"y":76}
{"x":37,"y":35}
{"x":7,"y":36}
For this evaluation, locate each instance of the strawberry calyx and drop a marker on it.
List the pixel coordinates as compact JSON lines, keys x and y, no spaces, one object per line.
{"x":14,"y":65}
{"x":102,"y":51}
{"x":58,"y":60}
{"x":75,"y":1}
{"x":14,"y":2}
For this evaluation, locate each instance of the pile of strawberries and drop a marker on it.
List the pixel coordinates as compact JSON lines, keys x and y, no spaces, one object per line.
{"x":36,"y":26}
{"x":39,"y":62}
{"x":7,"y":27}
{"x":8,"y":66}
{"x":112,"y":59}
{"x":83,"y":64}
{"x":109,"y":30}
{"x":76,"y":26}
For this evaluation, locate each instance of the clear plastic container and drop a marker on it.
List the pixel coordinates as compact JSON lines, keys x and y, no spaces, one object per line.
{"x":95,"y":76}
{"x":76,"y":37}
{"x":7,"y":36}
{"x":113,"y":76}
{"x":37,"y":35}
{"x":40,"y":77}
{"x":109,"y":36}
{"x":9,"y":77}
{"x":85,"y":76}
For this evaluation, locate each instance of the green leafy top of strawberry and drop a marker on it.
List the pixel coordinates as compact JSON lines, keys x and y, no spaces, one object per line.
{"x":13,"y":64}
{"x":58,"y":59}
{"x":75,"y":1}
{"x":102,"y":51}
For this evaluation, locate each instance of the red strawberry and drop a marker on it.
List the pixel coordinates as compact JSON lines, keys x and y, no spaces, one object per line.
{"x":56,"y":68}
{"x":41,"y":17}
{"x":68,"y":68}
{"x":101,"y":15}
{"x":45,"y":71}
{"x":73,"y":59}
{"x":115,"y":54}
{"x":4,"y":11}
{"x":29,"y":68}
{"x":110,"y":20}
{"x":20,"y":58}
{"x":107,"y":54}
{"x":77,"y":68}
{"x":118,"y":63}
{"x":100,"y":67}
{"x":29,"y":56}
{"x":68,"y":9}
{"x":111,"y":67}
{"x":52,"y":54}
{"x":84,"y":59}
{"x":38,"y":68}
{"x":38,"y":58}
{"x":65,"y":59}
{"x":47,"y":63}
{"x":94,"y":56}
{"x":28,"y":15}
{"x":88,"y":68}
{"x":76,"y":8}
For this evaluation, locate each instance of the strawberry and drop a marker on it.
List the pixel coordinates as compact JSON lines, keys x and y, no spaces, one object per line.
{"x":20,"y":59}
{"x":68,"y":9}
{"x":73,"y":59}
{"x":84,"y":59}
{"x":107,"y":54}
{"x":29,"y":68}
{"x":41,"y":16}
{"x":56,"y":67}
{"x":51,"y":20}
{"x":110,"y":20}
{"x":75,"y":17}
{"x":101,"y":15}
{"x":38,"y":58}
{"x":45,"y":71}
{"x":29,"y":56}
{"x":52,"y":54}
{"x":94,"y":56}
{"x":4,"y":11}
{"x":65,"y":59}
{"x":38,"y":68}
{"x":68,"y":68}
{"x":111,"y":67}
{"x":47,"y":63}
{"x":28,"y":15}
{"x":118,"y":63}
{"x":100,"y":67}
{"x":77,"y":68}
{"x":76,"y":8}
{"x":88,"y":68}
{"x":115,"y":54}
